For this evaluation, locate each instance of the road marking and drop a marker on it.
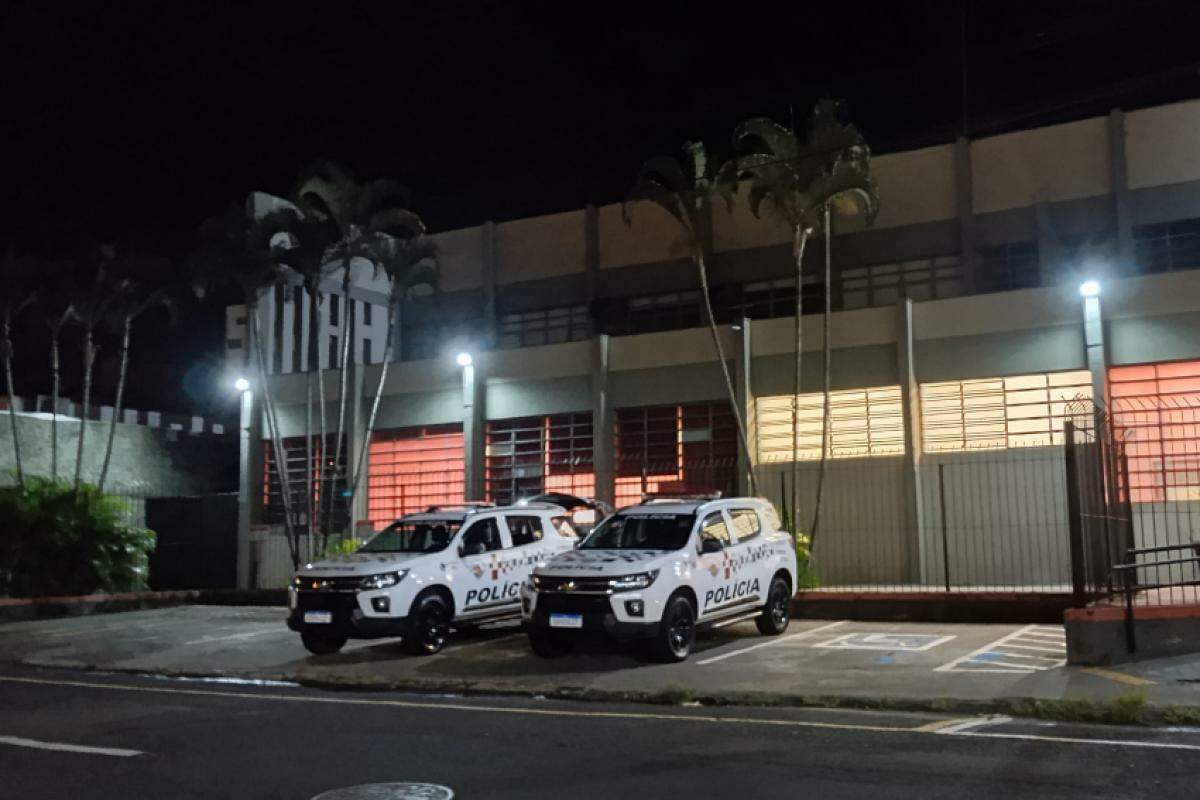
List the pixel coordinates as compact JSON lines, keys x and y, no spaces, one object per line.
{"x":234,"y":636}
{"x":907,"y":642}
{"x":770,"y":642}
{"x":16,"y":741}
{"x":991,"y":658}
{"x":968,"y":724}
{"x":1119,"y":677}
{"x":577,"y":713}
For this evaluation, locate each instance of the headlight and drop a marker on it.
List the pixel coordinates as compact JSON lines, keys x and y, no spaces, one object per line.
{"x":382,"y":580}
{"x":535,"y":581}
{"x":628,"y":583}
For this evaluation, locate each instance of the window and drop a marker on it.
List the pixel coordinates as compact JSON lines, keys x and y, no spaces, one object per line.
{"x":482,"y":537}
{"x":233,"y":344}
{"x":884,"y":284}
{"x":531,"y":455}
{"x":411,"y":469}
{"x":296,"y":455}
{"x":714,"y":527}
{"x":680,"y":449}
{"x":367,"y":350}
{"x":333,"y":352}
{"x":1156,"y":415}
{"x":367,"y":313}
{"x":412,"y":537}
{"x":663,"y":312}
{"x":1008,"y":266}
{"x":641,"y":532}
{"x":863,"y":422}
{"x":746,"y":524}
{"x":777,"y":298}
{"x":524,"y":530}
{"x":996,"y":413}
{"x":334,"y":301}
{"x":545,"y":326}
{"x":1167,"y":246}
{"x":565,"y":527}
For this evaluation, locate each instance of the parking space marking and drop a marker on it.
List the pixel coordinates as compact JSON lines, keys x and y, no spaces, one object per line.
{"x":1044,"y":648}
{"x":770,"y":642}
{"x":35,"y":744}
{"x":236,"y":636}
{"x":908,"y":642}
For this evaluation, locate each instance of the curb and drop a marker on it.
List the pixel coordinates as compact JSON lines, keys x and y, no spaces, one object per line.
{"x":25,"y":609}
{"x":1131,"y":709}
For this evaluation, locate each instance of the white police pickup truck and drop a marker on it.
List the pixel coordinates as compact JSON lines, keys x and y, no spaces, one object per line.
{"x":661,"y":569}
{"x":451,"y":565}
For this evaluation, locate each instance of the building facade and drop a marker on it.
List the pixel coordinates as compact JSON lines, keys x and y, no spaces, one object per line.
{"x":960,"y":343}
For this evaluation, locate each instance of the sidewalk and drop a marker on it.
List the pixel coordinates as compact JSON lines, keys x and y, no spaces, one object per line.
{"x":1005,"y":668}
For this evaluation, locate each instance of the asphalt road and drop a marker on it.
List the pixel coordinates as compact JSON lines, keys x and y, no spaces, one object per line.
{"x":159,"y":738}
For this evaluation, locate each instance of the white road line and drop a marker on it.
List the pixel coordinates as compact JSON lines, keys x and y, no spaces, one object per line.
{"x":968,"y":724}
{"x":235,"y":636}
{"x":949,"y":666}
{"x":1030,"y":737}
{"x":771,"y":642}
{"x":1037,"y":649}
{"x":16,"y":741}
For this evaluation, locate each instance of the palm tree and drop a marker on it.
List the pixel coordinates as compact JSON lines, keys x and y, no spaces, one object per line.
{"x":18,"y":274}
{"x":367,"y":217}
{"x":58,"y":301}
{"x":685,"y":192}
{"x":412,"y":263}
{"x":804,"y":180}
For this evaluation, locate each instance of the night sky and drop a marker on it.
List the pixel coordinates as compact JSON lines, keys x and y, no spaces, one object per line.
{"x":132,"y":122}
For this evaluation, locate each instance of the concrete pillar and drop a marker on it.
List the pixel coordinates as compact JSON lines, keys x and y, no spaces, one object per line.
{"x":1093,"y":339}
{"x":591,"y":255}
{"x":1049,"y":255}
{"x":474,"y":432}
{"x":1120,"y":187}
{"x":964,"y":193}
{"x":743,"y":386}
{"x":488,"y":260}
{"x":602,"y":423}
{"x":918,"y":560}
{"x":250,"y":456}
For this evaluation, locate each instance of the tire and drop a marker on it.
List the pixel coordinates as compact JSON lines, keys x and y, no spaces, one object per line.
{"x":322,"y":644}
{"x":427,"y":627}
{"x":676,"y":632}
{"x":546,"y":646}
{"x":777,"y":612}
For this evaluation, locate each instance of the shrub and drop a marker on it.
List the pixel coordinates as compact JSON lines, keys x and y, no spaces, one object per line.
{"x":56,"y":540}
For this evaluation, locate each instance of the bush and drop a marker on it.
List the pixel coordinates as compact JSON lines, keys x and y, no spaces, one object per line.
{"x":58,"y":541}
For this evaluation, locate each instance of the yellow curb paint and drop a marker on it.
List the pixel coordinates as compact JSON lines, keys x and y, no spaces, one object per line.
{"x":1119,"y":677}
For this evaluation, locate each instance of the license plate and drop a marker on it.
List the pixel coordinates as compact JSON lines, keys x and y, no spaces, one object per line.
{"x":318,"y":617}
{"x":566,"y":620}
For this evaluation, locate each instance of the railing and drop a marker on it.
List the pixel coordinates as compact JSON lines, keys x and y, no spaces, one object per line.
{"x":1150,"y":593}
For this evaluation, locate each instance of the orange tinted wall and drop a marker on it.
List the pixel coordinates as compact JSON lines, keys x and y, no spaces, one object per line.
{"x":412,"y":469}
{"x":1156,"y":416}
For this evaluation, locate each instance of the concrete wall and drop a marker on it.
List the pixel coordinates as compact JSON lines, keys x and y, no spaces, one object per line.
{"x":1162,"y":144}
{"x":540,"y":247}
{"x":1059,"y":162}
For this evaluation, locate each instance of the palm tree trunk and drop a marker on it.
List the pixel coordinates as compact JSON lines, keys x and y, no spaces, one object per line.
{"x":281,"y":470}
{"x":54,"y":386}
{"x":315,"y":525}
{"x":702,"y":269}
{"x":89,"y":360}
{"x":828,"y":352}
{"x":383,"y":371}
{"x":308,"y":460}
{"x":7,"y":346}
{"x":323,"y":450}
{"x":112,"y":426}
{"x":343,"y":389}
{"x":800,"y":241}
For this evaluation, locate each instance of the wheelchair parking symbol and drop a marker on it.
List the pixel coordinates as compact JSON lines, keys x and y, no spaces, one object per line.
{"x":908,"y":642}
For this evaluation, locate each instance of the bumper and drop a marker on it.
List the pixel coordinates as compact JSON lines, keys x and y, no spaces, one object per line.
{"x":597,"y":614}
{"x":348,"y":618}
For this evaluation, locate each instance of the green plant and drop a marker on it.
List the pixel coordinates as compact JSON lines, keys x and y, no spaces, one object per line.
{"x":340,"y":547}
{"x":56,"y":539}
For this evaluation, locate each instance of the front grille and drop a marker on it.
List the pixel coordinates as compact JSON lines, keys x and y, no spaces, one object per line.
{"x":326,"y":601}
{"x":574,"y":604}
{"x":334,"y":584}
{"x":566,"y":583}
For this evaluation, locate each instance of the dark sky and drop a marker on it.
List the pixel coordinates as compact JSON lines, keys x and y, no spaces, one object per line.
{"x":132,"y":122}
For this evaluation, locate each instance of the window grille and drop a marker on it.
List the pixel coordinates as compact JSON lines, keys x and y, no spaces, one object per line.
{"x":545,"y":326}
{"x":998,"y":413}
{"x":863,"y":422}
{"x":531,"y":455}
{"x":1009,"y":266}
{"x":675,"y":449}
{"x":884,"y":284}
{"x":412,"y":469}
{"x":1156,"y":416}
{"x":297,"y":453}
{"x":1167,"y":246}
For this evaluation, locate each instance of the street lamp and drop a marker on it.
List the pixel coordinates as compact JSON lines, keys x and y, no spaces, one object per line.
{"x":464,"y":359}
{"x":1089,"y":288}
{"x":241,"y":384}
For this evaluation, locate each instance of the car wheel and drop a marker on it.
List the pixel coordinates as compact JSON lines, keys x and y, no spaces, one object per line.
{"x":428,"y":625}
{"x":322,"y":644}
{"x":777,"y":613}
{"x":547,"y":646}
{"x":676,"y":632}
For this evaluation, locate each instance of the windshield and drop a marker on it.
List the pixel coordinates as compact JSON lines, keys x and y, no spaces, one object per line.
{"x":412,"y":537}
{"x":641,"y":532}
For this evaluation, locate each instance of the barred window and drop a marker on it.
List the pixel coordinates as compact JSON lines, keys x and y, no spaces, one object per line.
{"x":1156,"y":416}
{"x":665,"y":312}
{"x":1166,"y":246}
{"x":544,"y":326}
{"x":411,"y":469}
{"x":862,"y":422}
{"x":777,"y":298}
{"x":884,"y":284}
{"x":1008,"y":266}
{"x":998,"y":413}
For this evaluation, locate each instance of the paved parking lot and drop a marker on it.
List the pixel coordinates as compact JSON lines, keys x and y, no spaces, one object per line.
{"x":815,"y":657}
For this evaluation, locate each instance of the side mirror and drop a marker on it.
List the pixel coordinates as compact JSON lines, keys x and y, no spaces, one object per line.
{"x":462,"y":549}
{"x":710,"y":545}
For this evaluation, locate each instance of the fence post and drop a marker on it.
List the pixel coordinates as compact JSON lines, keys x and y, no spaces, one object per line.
{"x":1074,"y":519}
{"x":945,"y":534}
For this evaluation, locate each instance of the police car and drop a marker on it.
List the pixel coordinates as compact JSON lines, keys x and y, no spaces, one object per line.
{"x":451,"y":565}
{"x":660,"y":570}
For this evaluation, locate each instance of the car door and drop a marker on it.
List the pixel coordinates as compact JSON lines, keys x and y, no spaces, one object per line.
{"x":751,"y":559}
{"x":481,"y":551}
{"x":530,"y":542}
{"x":710,"y":576}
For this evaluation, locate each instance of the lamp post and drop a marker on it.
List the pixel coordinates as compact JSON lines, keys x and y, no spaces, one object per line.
{"x":472,"y":433}
{"x":1093,"y":339}
{"x":247,"y":438}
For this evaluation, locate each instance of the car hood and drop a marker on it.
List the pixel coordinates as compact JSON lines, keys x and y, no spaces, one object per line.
{"x":361,"y":564}
{"x":603,"y":562}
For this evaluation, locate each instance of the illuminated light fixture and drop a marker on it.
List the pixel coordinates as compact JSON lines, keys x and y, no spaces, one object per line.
{"x":1089,"y":288}
{"x":241,"y":384}
{"x":464,"y":359}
